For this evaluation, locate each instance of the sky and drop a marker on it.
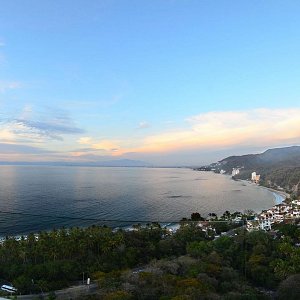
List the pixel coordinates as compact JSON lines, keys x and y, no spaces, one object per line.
{"x":167,"y":82}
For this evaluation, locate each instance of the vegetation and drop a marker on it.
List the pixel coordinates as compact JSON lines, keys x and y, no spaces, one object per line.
{"x":278,"y":167}
{"x":151,"y":263}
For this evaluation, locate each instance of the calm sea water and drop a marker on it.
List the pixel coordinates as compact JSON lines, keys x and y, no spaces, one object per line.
{"x":157,"y":194}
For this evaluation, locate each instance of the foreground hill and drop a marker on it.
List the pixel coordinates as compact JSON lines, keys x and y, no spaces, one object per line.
{"x":151,"y":263}
{"x":279,"y":167}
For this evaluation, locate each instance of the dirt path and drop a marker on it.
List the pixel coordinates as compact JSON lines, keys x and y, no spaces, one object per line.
{"x":73,"y":292}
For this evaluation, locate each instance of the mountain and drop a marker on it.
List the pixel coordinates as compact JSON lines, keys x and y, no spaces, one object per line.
{"x":278,"y":167}
{"x":123,"y":163}
{"x":270,"y":159}
{"x":110,"y":163}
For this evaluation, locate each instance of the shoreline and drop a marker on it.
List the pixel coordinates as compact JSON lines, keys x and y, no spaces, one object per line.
{"x":280,"y":196}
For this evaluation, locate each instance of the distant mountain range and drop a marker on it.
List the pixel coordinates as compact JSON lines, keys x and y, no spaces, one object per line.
{"x":278,"y":167}
{"x":110,"y":163}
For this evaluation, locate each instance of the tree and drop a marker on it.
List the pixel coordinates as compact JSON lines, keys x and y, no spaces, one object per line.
{"x":226,"y":215}
{"x":118,"y":295}
{"x":196,"y":217}
{"x":199,"y":249}
{"x":289,"y":288}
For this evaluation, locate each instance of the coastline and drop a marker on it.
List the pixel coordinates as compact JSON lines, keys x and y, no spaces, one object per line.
{"x":279,"y":196}
{"x":282,"y":194}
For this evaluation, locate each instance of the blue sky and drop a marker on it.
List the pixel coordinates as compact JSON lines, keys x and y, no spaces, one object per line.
{"x":169,"y":82}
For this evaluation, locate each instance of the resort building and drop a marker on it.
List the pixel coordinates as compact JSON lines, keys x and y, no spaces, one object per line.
{"x":254,"y":177}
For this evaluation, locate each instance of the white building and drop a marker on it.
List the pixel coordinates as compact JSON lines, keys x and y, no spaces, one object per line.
{"x":235,"y":171}
{"x":254,"y":177}
{"x":265,"y":223}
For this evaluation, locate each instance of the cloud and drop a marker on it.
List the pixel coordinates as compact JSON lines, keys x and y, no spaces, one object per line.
{"x":97,"y":147}
{"x":225,"y":129}
{"x":32,"y":127}
{"x":211,"y":131}
{"x":85,"y":140}
{"x":38,"y":131}
{"x":9,"y":85}
{"x":21,"y":149}
{"x":10,"y":152}
{"x":89,"y":157}
{"x":6,"y":134}
{"x":204,"y":133}
{"x":106,"y":145}
{"x":52,"y":128}
{"x":96,"y":103}
{"x":143,"y":125}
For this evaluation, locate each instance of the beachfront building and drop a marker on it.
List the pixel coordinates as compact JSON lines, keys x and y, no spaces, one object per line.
{"x":255,"y":177}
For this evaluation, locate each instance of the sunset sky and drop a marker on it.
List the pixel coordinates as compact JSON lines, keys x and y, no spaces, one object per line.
{"x":168,"y":82}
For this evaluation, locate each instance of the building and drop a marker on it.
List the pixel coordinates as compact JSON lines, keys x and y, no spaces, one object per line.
{"x":283,"y":212}
{"x":235,"y":171}
{"x":255,"y":177}
{"x":265,"y":223}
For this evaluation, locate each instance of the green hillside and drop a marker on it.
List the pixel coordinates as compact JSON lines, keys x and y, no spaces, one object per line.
{"x":279,"y":167}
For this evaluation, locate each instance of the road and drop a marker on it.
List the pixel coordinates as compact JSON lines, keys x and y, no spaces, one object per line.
{"x":73,"y":292}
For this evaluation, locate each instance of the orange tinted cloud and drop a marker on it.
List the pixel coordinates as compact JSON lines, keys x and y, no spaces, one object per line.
{"x":230,"y":128}
{"x":210,"y":131}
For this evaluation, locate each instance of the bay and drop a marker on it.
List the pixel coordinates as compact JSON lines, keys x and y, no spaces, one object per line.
{"x":46,"y":197}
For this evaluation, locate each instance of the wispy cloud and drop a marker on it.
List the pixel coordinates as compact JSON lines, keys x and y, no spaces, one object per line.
{"x":86,"y":140}
{"x":93,"y":104}
{"x":223,"y":129}
{"x":210,"y":132}
{"x":34,"y":127}
{"x":53,"y":129}
{"x":107,"y":146}
{"x":21,"y":149}
{"x":202,"y":133}
{"x":143,"y":125}
{"x":6,"y":85}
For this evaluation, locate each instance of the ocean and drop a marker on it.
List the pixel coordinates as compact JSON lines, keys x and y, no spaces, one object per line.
{"x":34,"y":198}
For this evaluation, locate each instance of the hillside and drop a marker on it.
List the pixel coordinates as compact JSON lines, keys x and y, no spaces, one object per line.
{"x":277,"y":167}
{"x":150,"y":263}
